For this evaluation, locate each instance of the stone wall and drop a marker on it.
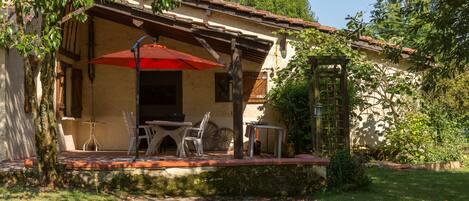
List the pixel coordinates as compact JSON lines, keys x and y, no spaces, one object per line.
{"x":272,"y":181}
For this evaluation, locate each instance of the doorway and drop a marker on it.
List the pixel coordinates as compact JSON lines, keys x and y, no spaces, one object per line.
{"x":161,"y":99}
{"x":160,"y":94}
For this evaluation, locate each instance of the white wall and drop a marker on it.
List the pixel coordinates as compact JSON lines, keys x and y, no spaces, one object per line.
{"x":3,"y":147}
{"x":369,"y":131}
{"x":19,"y":127}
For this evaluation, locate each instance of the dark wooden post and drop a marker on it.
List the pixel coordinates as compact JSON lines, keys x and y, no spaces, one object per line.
{"x":91,"y":67}
{"x":314,"y":100}
{"x":236,"y":72}
{"x":346,"y":104}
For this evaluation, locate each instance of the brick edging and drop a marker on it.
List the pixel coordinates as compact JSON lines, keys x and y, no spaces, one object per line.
{"x":83,"y":164}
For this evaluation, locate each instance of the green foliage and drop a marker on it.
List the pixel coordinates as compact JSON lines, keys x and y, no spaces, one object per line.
{"x":426,"y":137}
{"x":311,"y":42}
{"x":437,"y":29}
{"x":35,"y":28}
{"x":453,"y":95}
{"x":435,"y":131}
{"x":345,"y":172}
{"x":409,"y":140}
{"x":292,"y":102}
{"x":295,"y":8}
{"x":369,"y":84}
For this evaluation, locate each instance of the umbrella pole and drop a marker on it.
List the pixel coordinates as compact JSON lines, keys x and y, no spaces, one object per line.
{"x":137,"y":100}
{"x":136,"y":50}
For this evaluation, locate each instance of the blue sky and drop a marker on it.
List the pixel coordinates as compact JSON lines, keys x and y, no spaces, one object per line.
{"x":333,"y":12}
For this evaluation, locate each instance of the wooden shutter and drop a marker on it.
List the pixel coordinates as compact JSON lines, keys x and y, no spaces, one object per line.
{"x":255,"y":87}
{"x":77,"y":82}
{"x":60,"y":90}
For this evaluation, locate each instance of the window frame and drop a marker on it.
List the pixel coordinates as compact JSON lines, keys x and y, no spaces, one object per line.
{"x":220,"y":98}
{"x":247,"y":97}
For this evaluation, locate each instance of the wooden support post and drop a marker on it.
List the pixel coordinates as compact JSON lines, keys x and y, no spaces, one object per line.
{"x":236,"y":72}
{"x":345,"y":106}
{"x":314,"y":99}
{"x":91,"y":67}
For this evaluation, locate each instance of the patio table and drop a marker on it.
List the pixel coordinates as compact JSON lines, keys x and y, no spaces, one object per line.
{"x":250,"y":132}
{"x":162,"y":132}
{"x":92,"y":139}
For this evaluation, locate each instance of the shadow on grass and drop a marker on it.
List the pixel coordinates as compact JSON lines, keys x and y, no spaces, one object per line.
{"x":18,"y":192}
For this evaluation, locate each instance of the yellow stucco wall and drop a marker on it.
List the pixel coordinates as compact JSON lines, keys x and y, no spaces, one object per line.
{"x":114,"y":88}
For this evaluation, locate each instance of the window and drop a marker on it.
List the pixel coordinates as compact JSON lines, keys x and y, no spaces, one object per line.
{"x":223,"y":86}
{"x":254,"y":87}
{"x":69,"y":91}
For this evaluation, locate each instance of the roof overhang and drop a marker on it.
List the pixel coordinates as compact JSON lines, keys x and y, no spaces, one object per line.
{"x":282,"y":22}
{"x":183,"y":29}
{"x":251,"y":14}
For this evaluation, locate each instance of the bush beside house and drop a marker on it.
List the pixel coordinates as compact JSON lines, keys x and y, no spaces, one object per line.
{"x":346,"y":172}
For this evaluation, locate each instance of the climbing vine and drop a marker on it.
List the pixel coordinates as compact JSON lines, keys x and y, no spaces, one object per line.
{"x":370,"y":84}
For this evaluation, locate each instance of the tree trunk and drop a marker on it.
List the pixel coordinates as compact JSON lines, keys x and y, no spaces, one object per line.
{"x":42,"y":109}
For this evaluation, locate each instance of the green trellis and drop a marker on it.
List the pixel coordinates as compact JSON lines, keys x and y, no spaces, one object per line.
{"x":329,"y":104}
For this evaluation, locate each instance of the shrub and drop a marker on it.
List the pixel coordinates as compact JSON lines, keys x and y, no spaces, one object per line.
{"x":345,"y":172}
{"x":409,"y":141}
{"x":421,"y":138}
{"x":291,"y":100}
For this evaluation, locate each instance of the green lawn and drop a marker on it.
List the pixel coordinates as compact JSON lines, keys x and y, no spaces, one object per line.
{"x":387,"y":185}
{"x":24,"y":193}
{"x":410,"y":185}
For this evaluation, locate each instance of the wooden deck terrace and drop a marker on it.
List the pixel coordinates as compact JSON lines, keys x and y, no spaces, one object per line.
{"x":109,"y":160}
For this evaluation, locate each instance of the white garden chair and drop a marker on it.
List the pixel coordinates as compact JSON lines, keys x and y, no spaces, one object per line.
{"x":197,"y":139}
{"x":129,"y":121}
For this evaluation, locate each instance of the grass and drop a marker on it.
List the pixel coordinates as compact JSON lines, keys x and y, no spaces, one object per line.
{"x":409,"y":185}
{"x":387,"y":185}
{"x":25,"y":193}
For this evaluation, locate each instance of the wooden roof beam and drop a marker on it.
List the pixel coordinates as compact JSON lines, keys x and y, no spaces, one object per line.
{"x":184,"y":30}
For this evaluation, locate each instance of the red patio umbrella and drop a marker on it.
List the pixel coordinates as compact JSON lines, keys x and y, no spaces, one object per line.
{"x":152,"y":57}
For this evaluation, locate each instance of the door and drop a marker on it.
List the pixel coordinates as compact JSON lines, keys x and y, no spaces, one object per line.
{"x":160,"y":95}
